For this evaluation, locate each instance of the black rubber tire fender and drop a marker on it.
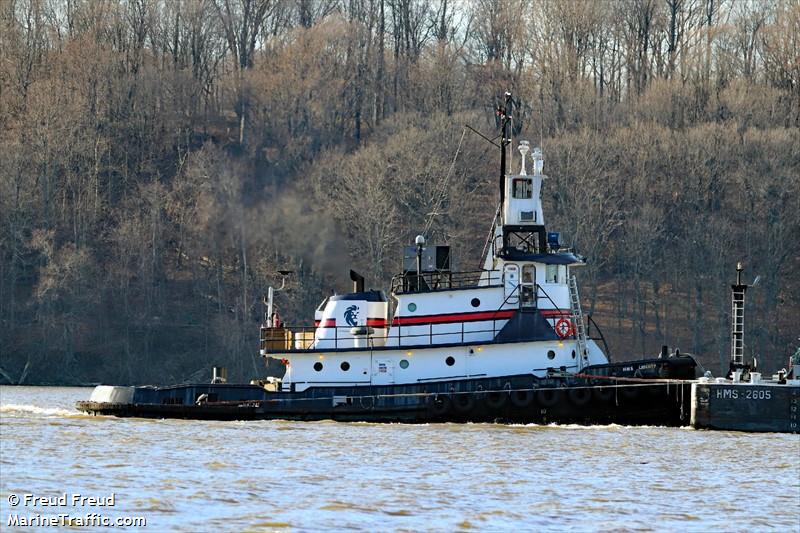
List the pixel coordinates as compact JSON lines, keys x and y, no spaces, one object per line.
{"x":548,"y":397}
{"x":497,"y":399}
{"x":441,"y":404}
{"x":579,"y":396}
{"x":464,"y":402}
{"x":522,"y":398}
{"x":601,"y":392}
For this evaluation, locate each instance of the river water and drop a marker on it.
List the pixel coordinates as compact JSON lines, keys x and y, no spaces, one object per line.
{"x":309,"y":476}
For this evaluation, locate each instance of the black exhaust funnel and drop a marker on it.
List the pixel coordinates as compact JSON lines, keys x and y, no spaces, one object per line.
{"x":358,"y":281}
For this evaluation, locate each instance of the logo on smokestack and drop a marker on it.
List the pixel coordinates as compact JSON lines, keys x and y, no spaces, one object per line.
{"x":351,"y":315}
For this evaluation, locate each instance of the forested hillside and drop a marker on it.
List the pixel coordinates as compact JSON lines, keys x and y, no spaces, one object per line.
{"x":160,"y":160}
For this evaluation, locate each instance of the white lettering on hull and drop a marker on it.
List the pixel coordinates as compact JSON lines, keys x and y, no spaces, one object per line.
{"x":748,"y":394}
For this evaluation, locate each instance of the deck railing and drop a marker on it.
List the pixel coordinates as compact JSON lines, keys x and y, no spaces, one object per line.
{"x":411,"y":282}
{"x":302,"y":338}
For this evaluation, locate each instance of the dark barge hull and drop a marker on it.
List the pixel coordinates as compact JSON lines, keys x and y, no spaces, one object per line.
{"x":646,"y":392}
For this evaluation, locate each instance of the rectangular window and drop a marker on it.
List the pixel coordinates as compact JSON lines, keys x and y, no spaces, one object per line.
{"x":551,"y":274}
{"x":528,"y":274}
{"x":522,"y":188}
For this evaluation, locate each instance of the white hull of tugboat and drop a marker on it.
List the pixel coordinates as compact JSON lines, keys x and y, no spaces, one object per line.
{"x":435,"y":363}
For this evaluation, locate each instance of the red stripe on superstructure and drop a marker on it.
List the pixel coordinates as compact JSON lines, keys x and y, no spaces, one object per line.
{"x":551,"y":313}
{"x":457,"y":317}
{"x":372,"y":322}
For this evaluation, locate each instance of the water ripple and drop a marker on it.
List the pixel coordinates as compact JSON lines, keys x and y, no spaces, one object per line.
{"x":281,"y":475}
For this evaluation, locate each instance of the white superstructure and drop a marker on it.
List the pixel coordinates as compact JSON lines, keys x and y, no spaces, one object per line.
{"x":515,"y":316}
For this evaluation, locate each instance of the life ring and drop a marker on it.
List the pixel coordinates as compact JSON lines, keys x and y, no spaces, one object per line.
{"x":564,"y":328}
{"x":464,"y":403}
{"x":579,"y":396}
{"x":497,"y":399}
{"x":548,"y":397}
{"x":522,"y":398}
{"x":441,"y":404}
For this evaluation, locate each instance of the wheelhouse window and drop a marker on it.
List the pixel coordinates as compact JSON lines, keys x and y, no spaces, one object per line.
{"x":553,"y":274}
{"x":522,"y":188}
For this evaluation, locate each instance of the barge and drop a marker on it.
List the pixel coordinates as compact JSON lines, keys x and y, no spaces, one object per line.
{"x":753,"y":406}
{"x":743,"y":401}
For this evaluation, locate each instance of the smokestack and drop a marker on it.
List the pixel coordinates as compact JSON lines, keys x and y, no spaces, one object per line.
{"x":358,"y":281}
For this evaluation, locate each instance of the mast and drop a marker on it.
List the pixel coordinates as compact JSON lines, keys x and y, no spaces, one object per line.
{"x":505,"y":140}
{"x":737,"y":319}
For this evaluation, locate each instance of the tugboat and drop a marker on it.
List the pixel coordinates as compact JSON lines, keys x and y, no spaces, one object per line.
{"x":508,"y":342}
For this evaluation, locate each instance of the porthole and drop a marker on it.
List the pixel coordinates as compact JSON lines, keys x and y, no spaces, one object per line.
{"x":475,"y":302}
{"x":403,"y":363}
{"x":450,"y":360}
{"x":345,"y":366}
{"x":551,"y":354}
{"x":412,"y":307}
{"x":573,"y":354}
{"x":318,"y":366}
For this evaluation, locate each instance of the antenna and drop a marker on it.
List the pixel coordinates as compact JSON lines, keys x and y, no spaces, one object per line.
{"x":538,"y":161}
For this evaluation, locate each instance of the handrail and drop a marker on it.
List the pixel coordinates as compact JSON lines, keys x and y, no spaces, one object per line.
{"x":288,"y":343}
{"x":413,"y":282}
{"x":601,"y":338}
{"x":308,"y":338}
{"x":306,"y":335}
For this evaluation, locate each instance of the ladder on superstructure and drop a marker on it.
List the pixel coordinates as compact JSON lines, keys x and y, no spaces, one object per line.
{"x":577,"y":319}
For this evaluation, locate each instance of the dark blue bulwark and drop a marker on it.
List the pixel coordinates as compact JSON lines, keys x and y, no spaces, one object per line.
{"x":527,"y":326}
{"x":369,"y":296}
{"x":565,"y":258}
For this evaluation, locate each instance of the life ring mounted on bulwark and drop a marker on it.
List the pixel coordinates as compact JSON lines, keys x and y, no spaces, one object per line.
{"x":564,"y":328}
